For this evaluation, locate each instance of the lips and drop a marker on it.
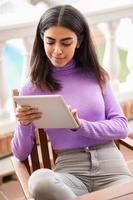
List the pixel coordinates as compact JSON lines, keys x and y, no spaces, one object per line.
{"x":57,"y":58}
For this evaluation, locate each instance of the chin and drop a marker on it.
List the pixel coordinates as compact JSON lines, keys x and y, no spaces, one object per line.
{"x":59,"y":64}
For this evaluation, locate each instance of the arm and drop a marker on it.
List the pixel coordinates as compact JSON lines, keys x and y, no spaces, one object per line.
{"x":114,"y":126}
{"x":23,"y":139}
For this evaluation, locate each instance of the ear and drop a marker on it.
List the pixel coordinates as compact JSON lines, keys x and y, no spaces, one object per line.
{"x":80,"y":39}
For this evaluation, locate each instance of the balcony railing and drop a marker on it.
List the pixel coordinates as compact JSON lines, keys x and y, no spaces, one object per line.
{"x":106,"y":17}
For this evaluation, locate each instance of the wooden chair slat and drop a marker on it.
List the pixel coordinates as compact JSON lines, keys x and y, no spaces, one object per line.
{"x":54,"y":155}
{"x":35,"y":157}
{"x":27,"y":165}
{"x":44,"y":149}
{"x":127,"y":142}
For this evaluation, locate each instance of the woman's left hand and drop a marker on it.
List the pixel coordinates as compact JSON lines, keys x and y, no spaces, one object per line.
{"x":75,"y":115}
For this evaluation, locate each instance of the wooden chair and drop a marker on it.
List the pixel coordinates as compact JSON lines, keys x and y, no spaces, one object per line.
{"x":42,"y":156}
{"x":116,"y":192}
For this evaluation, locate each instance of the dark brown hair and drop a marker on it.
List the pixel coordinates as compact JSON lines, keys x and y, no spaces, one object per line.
{"x":85,"y":56}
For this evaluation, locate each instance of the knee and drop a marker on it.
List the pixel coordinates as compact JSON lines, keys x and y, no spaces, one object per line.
{"x":42,"y":182}
{"x":45,"y":183}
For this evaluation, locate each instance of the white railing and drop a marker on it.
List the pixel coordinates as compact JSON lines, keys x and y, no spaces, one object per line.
{"x":107,"y":17}
{"x":14,"y":25}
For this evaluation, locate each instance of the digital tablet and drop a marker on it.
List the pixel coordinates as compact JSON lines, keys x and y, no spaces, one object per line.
{"x":55,"y":113}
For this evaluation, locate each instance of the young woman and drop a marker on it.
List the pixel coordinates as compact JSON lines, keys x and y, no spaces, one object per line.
{"x":64,"y":62}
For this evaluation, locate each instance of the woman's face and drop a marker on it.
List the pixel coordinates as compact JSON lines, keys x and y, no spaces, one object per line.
{"x":60,"y":44}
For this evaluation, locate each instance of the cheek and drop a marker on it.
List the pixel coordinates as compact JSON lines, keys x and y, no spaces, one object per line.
{"x":71,"y":51}
{"x":47,"y":50}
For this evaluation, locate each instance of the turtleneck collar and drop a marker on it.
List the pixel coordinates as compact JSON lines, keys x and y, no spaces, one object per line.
{"x":66,"y":69}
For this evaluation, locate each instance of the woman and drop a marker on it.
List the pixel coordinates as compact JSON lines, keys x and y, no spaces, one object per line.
{"x":64,"y":62}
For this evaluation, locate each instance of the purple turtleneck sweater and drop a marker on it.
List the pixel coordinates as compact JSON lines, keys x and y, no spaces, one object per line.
{"x":99,"y":112}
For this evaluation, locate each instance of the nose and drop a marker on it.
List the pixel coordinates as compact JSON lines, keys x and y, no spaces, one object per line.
{"x":57,"y":50}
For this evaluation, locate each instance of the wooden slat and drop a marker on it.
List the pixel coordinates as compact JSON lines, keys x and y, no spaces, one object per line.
{"x":127,"y":142}
{"x":117,"y":142}
{"x":23,"y":176}
{"x":27,"y":165}
{"x":54,"y":155}
{"x":121,"y":192}
{"x":44,"y":149}
{"x":35,"y":157}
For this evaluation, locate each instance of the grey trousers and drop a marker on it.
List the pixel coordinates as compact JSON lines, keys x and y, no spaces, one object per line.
{"x":80,"y":171}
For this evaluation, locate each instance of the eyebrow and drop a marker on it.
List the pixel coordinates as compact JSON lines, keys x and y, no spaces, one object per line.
{"x":63,"y":39}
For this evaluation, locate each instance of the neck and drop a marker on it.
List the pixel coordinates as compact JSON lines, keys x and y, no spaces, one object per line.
{"x":66,"y":69}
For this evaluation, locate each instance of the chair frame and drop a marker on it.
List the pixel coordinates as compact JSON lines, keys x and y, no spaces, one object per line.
{"x":42,"y":156}
{"x":24,"y":168}
{"x":115,"y":192}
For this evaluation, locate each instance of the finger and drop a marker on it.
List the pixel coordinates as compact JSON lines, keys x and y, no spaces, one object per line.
{"x":75,"y":115}
{"x":31,"y":111}
{"x":15,"y":92}
{"x":26,"y":122}
{"x":22,"y":108}
{"x":28,"y":116}
{"x":26,"y":111}
{"x":69,"y":108}
{"x":29,"y":119}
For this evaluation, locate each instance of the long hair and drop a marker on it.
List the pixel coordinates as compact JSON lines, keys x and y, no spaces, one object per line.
{"x":85,"y":56}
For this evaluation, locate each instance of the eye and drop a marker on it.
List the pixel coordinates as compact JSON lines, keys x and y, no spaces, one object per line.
{"x":66,"y":44}
{"x":49,"y":43}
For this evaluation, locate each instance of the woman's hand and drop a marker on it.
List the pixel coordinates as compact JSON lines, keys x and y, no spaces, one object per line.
{"x":75,"y":115}
{"x":25,"y":114}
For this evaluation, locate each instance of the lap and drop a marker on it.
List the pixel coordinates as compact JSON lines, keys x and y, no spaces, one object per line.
{"x":46,"y":176}
{"x":98,"y":167}
{"x":86,"y":171}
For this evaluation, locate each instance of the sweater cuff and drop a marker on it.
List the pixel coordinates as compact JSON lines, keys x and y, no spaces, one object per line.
{"x":79,"y":130}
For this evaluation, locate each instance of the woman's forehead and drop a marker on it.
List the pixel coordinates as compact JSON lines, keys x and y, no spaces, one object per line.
{"x":59,"y":31}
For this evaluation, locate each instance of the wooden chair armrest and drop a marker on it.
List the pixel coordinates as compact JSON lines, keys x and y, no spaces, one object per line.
{"x":127,"y":142}
{"x":113,"y":192}
{"x":23,"y":176}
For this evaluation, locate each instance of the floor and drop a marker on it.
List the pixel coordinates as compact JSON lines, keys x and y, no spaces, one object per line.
{"x":11,"y":190}
{"x":9,"y":186}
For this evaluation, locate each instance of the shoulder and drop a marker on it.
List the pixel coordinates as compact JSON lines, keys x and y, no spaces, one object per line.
{"x":108,"y":89}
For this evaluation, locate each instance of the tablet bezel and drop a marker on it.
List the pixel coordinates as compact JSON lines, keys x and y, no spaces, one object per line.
{"x":63,"y":118}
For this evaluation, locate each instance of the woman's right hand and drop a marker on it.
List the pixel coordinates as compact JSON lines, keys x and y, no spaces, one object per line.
{"x":25,"y":114}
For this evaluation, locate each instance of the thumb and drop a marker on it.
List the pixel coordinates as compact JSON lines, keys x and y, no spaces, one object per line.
{"x":75,"y":115}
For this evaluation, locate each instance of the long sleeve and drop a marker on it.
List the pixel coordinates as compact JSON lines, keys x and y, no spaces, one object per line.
{"x":114,"y":126}
{"x":23,"y":139}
